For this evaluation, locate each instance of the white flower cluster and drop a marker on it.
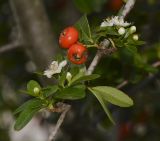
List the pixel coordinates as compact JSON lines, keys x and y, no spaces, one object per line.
{"x":55,"y":68}
{"x":115,"y":21}
{"x":122,"y":25}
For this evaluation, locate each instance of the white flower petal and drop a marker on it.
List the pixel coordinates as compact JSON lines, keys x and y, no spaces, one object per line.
{"x":63,"y":63}
{"x":54,"y":65}
{"x":117,"y":21}
{"x":48,"y":73}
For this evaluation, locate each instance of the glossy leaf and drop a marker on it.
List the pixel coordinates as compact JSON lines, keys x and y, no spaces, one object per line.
{"x":86,"y":78}
{"x":50,"y":90}
{"x":25,"y":117}
{"x":31,"y":85}
{"x":71,"y":93}
{"x":77,"y":76}
{"x":62,"y":79}
{"x":33,"y":103}
{"x":84,"y":29}
{"x":103,"y":104}
{"x":113,"y":96}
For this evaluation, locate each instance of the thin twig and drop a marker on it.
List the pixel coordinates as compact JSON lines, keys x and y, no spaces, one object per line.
{"x":125,"y":82}
{"x":127,"y":8}
{"x":121,"y":85}
{"x":9,"y":47}
{"x":94,"y":62}
{"x":63,"y":108}
{"x":156,"y":64}
{"x":98,"y":56}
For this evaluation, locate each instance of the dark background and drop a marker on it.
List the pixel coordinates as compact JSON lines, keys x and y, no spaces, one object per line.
{"x":86,"y":121}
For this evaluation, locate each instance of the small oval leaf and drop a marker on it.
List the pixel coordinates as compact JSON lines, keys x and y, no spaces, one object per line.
{"x":71,"y":93}
{"x":113,"y":96}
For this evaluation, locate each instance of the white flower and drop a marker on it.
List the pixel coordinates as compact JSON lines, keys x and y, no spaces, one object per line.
{"x":121,"y":31}
{"x":55,"y":68}
{"x":115,"y":21}
{"x":105,"y":23}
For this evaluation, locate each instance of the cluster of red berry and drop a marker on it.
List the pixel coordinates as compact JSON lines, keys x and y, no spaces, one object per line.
{"x":77,"y":52}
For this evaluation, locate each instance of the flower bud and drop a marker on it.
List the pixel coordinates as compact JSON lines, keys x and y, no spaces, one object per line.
{"x":132,"y":29}
{"x":36,"y":90}
{"x":121,"y":31}
{"x":135,"y":37}
{"x":69,"y":76}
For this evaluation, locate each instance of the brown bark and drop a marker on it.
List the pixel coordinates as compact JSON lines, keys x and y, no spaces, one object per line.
{"x":38,"y":38}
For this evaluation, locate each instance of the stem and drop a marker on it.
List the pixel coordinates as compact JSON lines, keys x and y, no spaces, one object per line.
{"x":63,"y":109}
{"x":127,"y":8}
{"x":94,"y":62}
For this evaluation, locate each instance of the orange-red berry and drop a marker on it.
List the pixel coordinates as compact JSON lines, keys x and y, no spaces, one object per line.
{"x":77,"y":54}
{"x":68,"y":37}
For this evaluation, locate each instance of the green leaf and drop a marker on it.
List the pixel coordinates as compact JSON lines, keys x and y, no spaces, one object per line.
{"x":31,"y":85}
{"x":103,"y":104}
{"x":77,"y":76}
{"x":28,"y":110}
{"x":25,"y":117}
{"x":103,"y":31}
{"x":118,"y":42}
{"x":74,"y":70}
{"x":48,"y":91}
{"x":113,"y":96}
{"x":136,"y":43}
{"x":33,"y":103}
{"x":71,"y":93}
{"x":84,"y":29}
{"x":86,"y":78}
{"x":132,"y":49}
{"x":62,"y":79}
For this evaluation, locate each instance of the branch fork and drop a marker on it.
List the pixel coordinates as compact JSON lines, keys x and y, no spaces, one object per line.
{"x":63,"y":109}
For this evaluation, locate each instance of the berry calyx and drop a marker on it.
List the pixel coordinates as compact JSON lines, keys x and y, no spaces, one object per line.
{"x":77,"y":54}
{"x":68,"y":37}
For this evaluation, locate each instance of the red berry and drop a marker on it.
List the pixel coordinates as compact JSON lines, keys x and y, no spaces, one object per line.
{"x":68,"y":37}
{"x":77,"y":54}
{"x":116,"y":4}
